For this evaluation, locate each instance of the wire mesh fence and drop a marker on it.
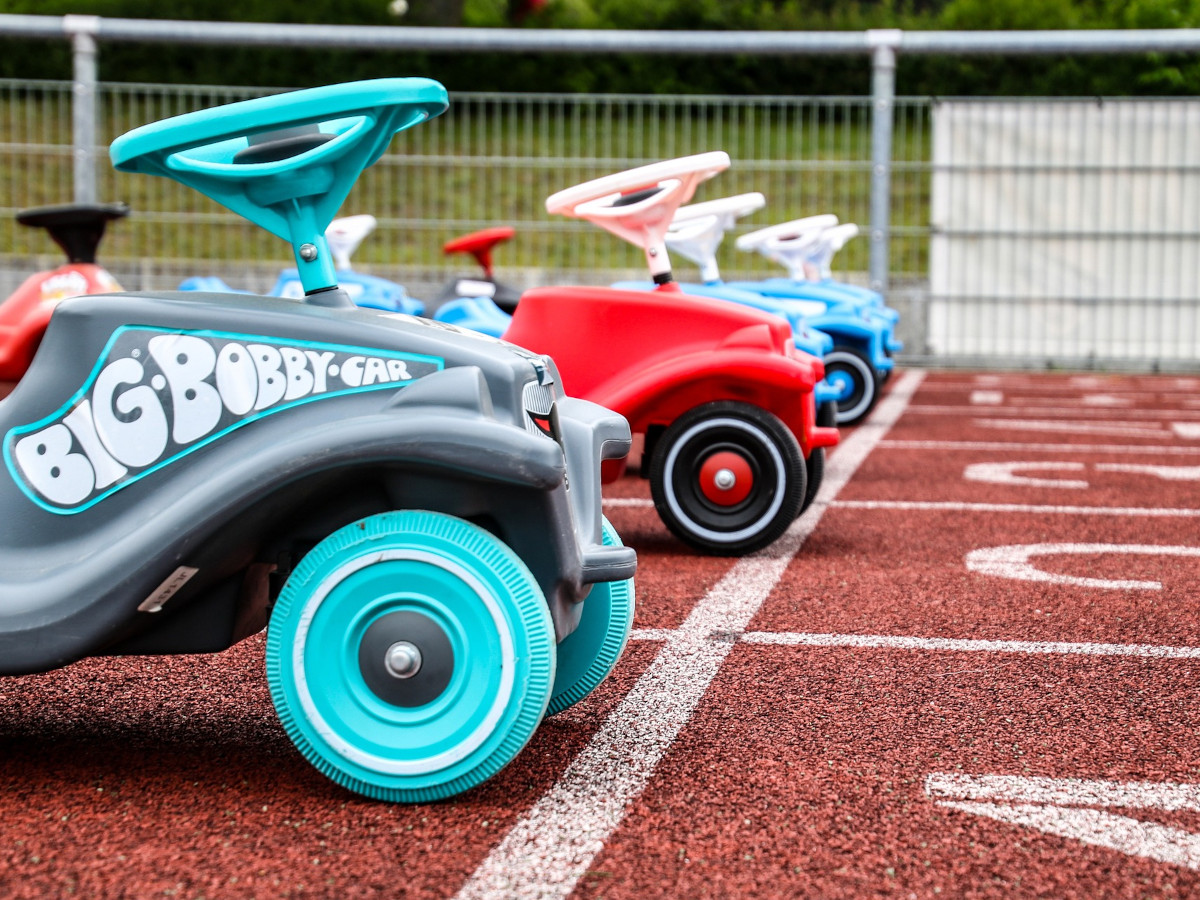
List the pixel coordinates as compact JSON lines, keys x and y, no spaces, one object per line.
{"x":1043,"y":231}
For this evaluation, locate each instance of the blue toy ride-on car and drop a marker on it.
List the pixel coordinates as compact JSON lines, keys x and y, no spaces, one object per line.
{"x":863,"y":330}
{"x":413,"y":512}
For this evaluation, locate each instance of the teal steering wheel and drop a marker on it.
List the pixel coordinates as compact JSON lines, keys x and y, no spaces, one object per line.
{"x":287,"y":161}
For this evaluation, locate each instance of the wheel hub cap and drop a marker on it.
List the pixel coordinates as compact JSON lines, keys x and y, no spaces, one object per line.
{"x":406,"y":658}
{"x":726,"y":478}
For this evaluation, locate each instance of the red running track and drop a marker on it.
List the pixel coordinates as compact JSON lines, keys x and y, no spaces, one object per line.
{"x":969,"y":670}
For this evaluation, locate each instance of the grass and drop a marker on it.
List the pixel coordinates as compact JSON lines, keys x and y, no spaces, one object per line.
{"x":491,"y":159}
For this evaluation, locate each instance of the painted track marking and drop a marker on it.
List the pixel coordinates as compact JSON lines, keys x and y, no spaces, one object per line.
{"x":1166,"y":473}
{"x":1080,"y":412}
{"x":1161,"y":386}
{"x":1007,"y":473}
{"x":1117,"y":428}
{"x":550,"y":848}
{"x":958,"y":645}
{"x":1024,"y":508}
{"x":1071,"y":449}
{"x":1059,"y":806}
{"x":984,"y":398}
{"x":962,"y":506}
{"x":1013,"y":562}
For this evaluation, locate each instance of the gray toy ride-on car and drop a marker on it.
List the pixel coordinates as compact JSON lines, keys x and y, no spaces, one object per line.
{"x":412,"y":511}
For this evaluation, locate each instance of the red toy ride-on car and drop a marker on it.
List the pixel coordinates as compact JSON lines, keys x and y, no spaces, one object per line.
{"x":723,"y":399}
{"x":77,"y":229}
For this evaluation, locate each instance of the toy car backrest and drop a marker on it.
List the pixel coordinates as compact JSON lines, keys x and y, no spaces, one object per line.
{"x":697,"y":229}
{"x":287,"y":161}
{"x":76,"y":227}
{"x":638,"y":204}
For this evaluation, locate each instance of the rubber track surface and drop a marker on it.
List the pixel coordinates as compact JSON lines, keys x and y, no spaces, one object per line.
{"x":958,"y":675}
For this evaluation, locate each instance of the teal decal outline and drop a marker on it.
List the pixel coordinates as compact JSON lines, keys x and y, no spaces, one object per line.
{"x":16,"y":432}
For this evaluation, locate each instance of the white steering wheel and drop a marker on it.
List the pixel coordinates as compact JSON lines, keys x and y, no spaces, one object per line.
{"x":727,"y":208}
{"x":786,"y":231}
{"x":698,"y":229}
{"x":638,"y":204}
{"x":790,"y":243}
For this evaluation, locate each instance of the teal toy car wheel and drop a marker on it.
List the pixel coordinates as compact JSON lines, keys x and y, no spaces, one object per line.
{"x":410,"y":656}
{"x":589,"y":653}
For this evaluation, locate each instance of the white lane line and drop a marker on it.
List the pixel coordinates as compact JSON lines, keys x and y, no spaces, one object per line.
{"x":1069,"y":449}
{"x":1060,"y":806}
{"x":1187,"y":430}
{"x":952,"y":506}
{"x":1018,"y":412}
{"x":957,"y":645}
{"x":628,"y":501}
{"x":984,"y":398}
{"x":1122,"y":834}
{"x":1106,"y":400}
{"x":550,"y":847}
{"x":1166,"y":473}
{"x":1009,"y":473}
{"x":1167,"y":796}
{"x":1014,"y":562}
{"x":1114,"y":428}
{"x":1150,"y":388}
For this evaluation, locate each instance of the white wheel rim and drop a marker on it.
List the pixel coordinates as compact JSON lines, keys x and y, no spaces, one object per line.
{"x":724,"y":537}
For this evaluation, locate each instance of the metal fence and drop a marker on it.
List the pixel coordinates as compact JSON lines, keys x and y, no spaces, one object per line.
{"x":936,"y":205}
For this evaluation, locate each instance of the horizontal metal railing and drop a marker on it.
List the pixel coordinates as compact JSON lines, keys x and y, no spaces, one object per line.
{"x":493,"y":158}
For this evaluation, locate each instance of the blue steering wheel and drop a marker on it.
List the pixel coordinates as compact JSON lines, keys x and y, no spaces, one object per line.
{"x":287,"y":161}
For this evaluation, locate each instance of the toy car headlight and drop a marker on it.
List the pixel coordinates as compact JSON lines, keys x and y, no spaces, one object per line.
{"x":538,"y":400}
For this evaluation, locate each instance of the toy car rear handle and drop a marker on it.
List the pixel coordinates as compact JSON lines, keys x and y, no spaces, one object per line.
{"x":286,"y":161}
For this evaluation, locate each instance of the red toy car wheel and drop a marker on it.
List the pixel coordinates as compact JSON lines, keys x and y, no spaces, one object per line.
{"x":727,"y":478}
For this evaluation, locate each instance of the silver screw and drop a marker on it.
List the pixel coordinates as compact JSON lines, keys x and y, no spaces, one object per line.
{"x":725,"y":479}
{"x":308,"y":252}
{"x":402,"y":660}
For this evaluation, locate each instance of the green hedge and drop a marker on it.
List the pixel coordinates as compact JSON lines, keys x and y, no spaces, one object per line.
{"x":1145,"y":74}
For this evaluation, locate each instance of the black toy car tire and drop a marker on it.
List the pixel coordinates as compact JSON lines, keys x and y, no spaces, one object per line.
{"x":850,"y":363}
{"x":741,"y":445}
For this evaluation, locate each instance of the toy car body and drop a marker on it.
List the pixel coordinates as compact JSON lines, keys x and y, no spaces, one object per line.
{"x":77,"y":229}
{"x":857,"y":361}
{"x":723,"y":400}
{"x":413,"y":511}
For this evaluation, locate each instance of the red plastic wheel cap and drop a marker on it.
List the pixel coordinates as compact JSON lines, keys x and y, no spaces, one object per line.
{"x":726,"y":478}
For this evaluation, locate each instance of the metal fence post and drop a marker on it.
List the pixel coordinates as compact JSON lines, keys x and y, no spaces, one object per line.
{"x":883,"y":93}
{"x":82,"y":30}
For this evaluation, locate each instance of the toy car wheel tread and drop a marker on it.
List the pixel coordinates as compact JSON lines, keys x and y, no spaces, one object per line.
{"x":727,"y":478}
{"x":410,"y":656}
{"x":588,"y":654}
{"x":858,"y":382}
{"x":814,"y":470}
